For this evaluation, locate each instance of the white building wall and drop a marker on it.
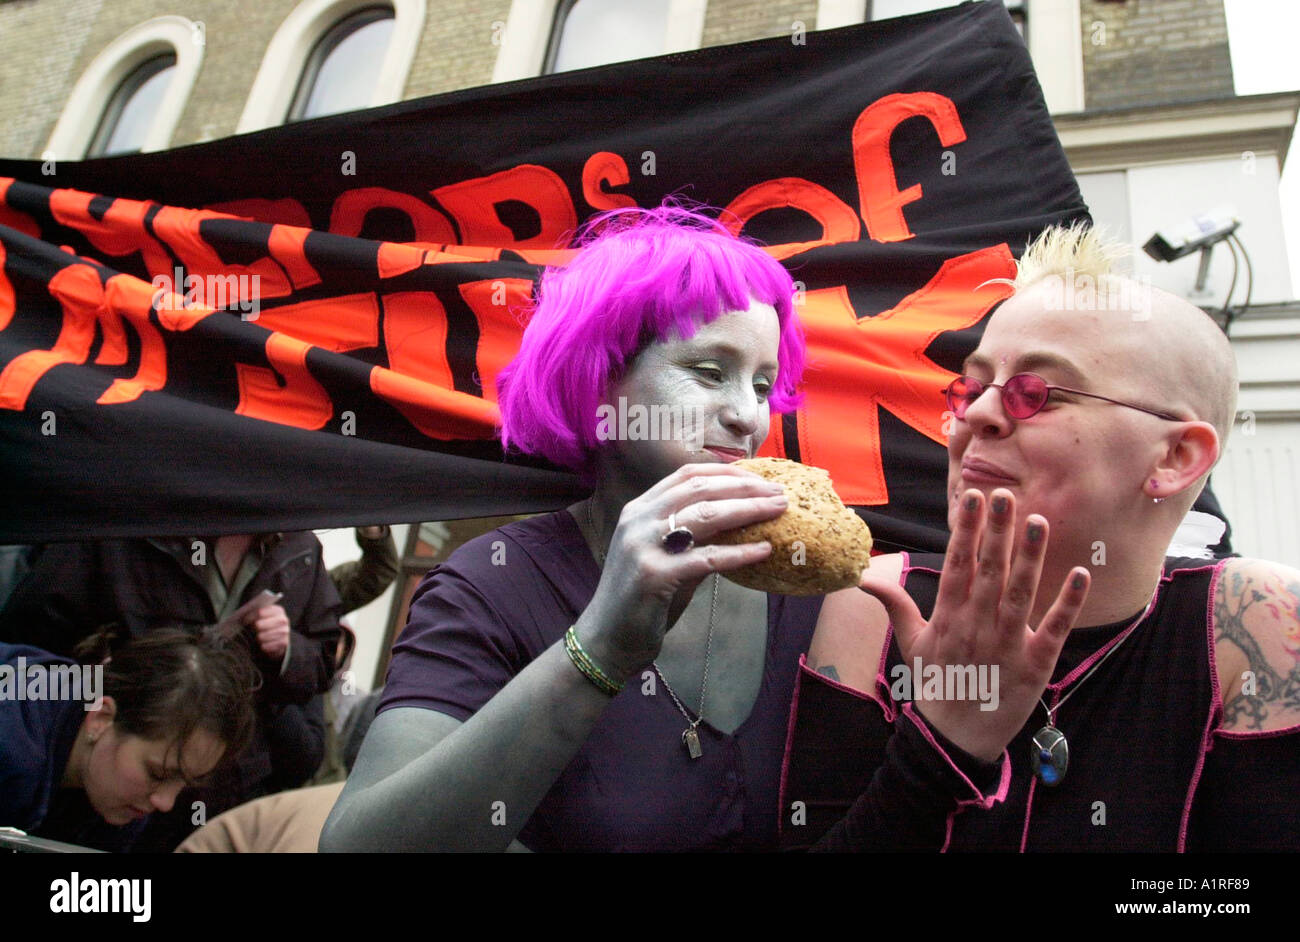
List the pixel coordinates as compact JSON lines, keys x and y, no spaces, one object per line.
{"x":1259,"y":476}
{"x":1258,"y":479}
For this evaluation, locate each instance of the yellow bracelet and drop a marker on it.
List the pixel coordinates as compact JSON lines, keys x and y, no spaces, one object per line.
{"x":583,"y":662}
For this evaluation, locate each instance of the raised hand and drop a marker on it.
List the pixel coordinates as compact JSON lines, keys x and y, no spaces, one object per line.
{"x":644,"y":588}
{"x":271,"y":623}
{"x":986,"y":593}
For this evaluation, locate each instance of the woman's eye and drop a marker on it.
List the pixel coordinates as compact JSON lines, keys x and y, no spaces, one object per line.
{"x":763,"y":389}
{"x":710,"y":372}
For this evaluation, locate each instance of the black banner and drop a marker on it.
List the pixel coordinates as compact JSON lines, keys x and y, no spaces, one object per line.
{"x":302,"y":327}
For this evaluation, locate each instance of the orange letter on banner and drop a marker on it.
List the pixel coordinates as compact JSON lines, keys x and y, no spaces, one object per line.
{"x":13,"y":218}
{"x":179,"y":228}
{"x":132,"y":298}
{"x":290,"y":225}
{"x":473,"y":205}
{"x":348,"y":217}
{"x":8,"y":302}
{"x":349,"y":322}
{"x":84,"y":301}
{"x":415,"y":336}
{"x":302,"y":402}
{"x":838,"y":221}
{"x":418,"y":382}
{"x":861,"y":364}
{"x":286,"y":245}
{"x":497,"y":306}
{"x":286,"y":212}
{"x":604,"y":167}
{"x":878,"y":194}
{"x":80,"y":294}
{"x":121,"y":232}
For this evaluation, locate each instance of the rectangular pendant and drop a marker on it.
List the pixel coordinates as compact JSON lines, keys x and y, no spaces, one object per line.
{"x":691,"y":740}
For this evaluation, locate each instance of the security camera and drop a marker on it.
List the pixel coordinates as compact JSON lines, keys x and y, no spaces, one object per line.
{"x":1200,"y":232}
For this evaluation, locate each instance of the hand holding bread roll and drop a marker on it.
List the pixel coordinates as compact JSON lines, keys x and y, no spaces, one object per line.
{"x":818,"y":544}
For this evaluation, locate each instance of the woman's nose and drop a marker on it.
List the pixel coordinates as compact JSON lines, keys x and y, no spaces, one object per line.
{"x":986,"y":415}
{"x":164,"y":796}
{"x":740,"y":415}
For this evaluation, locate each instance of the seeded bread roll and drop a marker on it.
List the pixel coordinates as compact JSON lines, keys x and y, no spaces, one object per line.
{"x":818,"y":544}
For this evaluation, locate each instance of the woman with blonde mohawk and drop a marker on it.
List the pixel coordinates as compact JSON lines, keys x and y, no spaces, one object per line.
{"x":1155,"y":704}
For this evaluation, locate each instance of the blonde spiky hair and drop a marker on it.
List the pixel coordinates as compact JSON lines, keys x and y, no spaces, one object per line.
{"x":1078,"y":248}
{"x":1191,"y":344}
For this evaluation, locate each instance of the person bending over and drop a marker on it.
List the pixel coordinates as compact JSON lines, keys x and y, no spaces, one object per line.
{"x":90,"y":769}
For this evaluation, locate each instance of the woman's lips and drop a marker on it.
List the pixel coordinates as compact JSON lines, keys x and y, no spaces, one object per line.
{"x":726,"y":454}
{"x":982,"y":472}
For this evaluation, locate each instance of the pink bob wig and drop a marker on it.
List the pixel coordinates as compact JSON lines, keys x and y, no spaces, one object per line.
{"x":640,"y":276}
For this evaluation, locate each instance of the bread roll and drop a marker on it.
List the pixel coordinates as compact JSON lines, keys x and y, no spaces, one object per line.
{"x":818,"y":544}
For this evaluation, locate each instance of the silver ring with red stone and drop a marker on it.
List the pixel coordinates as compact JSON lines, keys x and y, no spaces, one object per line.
{"x":677,"y":539}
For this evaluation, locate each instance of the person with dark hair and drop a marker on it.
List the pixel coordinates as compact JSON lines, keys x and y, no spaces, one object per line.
{"x":87,"y":763}
{"x":537,"y":698}
{"x":288,"y":821}
{"x":196,"y":582}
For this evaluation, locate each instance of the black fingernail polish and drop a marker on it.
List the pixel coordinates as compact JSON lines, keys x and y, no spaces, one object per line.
{"x":1035,"y":532}
{"x":971,"y":503}
{"x":1079,"y":581}
{"x":999,"y":505}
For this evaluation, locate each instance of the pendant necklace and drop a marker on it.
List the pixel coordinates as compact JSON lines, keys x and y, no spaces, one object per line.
{"x":691,"y":735}
{"x":1049,"y":752}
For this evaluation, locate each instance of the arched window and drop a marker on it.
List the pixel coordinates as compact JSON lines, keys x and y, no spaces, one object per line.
{"x":132,"y":94}
{"x":597,"y":32}
{"x":343,"y":68}
{"x":124,"y":126}
{"x":329,"y":56}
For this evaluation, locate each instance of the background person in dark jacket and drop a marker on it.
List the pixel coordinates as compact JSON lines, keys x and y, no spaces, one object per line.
{"x":194,"y":582}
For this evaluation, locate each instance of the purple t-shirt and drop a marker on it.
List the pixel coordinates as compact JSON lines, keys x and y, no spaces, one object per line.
{"x":481,"y":617}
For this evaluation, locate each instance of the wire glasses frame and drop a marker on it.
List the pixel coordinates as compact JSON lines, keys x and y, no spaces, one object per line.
{"x":1024,"y":395}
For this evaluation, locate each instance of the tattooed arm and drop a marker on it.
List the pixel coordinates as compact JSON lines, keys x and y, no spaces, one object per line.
{"x":851,"y":630}
{"x":1257,"y":645}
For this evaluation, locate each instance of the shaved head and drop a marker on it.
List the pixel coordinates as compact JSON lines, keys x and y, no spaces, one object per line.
{"x":1171,"y":352}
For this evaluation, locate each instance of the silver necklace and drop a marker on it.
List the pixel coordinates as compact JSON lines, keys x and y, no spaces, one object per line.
{"x":691,"y":735}
{"x":1049,"y":752}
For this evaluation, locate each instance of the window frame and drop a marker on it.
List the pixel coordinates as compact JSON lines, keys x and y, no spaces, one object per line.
{"x":324,"y":46}
{"x":84,"y":110}
{"x":111,"y":116}
{"x":283,"y":63}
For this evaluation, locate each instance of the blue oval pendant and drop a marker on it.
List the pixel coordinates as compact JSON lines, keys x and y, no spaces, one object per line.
{"x":1049,"y":755}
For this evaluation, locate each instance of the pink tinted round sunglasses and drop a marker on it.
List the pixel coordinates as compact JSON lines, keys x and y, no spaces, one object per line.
{"x":1023,"y":395}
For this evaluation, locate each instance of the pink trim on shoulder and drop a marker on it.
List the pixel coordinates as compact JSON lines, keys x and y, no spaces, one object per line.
{"x":1216,"y":695}
{"x":1258,"y":734}
{"x":1211,"y":601}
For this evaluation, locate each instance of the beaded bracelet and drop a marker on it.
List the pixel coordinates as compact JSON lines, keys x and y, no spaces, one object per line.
{"x":583,"y":662}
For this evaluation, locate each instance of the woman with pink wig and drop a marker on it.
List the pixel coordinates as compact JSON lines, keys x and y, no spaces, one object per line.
{"x":585,"y":680}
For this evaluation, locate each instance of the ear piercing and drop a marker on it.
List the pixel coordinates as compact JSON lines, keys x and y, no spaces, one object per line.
{"x":1155,"y":486}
